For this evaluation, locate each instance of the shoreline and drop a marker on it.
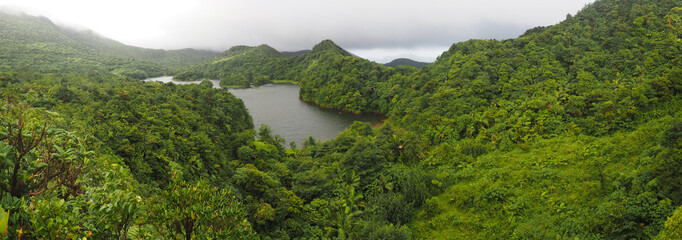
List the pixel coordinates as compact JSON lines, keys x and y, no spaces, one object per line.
{"x":374,"y":124}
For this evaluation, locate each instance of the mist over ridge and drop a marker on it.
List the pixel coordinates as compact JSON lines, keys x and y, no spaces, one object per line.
{"x":377,"y":30}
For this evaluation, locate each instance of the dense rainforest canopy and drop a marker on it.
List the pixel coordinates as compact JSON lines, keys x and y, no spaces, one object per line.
{"x":35,"y":44}
{"x":406,"y":62}
{"x":568,"y":131}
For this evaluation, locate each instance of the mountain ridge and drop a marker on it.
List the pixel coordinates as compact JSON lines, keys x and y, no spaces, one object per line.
{"x":180,"y":58}
{"x":36,"y":44}
{"x":329,"y":46}
{"x":570,"y":131}
{"x":406,"y":62}
{"x":244,"y":66}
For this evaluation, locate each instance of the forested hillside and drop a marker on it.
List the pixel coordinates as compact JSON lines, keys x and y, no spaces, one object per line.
{"x":174,"y":59}
{"x":565,"y":131}
{"x":406,"y":62}
{"x":571,"y":131}
{"x":241,"y":66}
{"x":35,"y":44}
{"x":328,"y":75}
{"x":566,"y":127}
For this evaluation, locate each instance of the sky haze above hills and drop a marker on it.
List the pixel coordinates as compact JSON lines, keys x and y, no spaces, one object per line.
{"x":379,"y":30}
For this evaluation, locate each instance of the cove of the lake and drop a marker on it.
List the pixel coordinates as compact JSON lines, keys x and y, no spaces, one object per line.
{"x":278,"y":106}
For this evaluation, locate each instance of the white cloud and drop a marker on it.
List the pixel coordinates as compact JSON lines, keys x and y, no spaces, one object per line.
{"x":360,"y":25}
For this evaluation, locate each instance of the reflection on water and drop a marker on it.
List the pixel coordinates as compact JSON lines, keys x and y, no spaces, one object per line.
{"x":278,"y":106}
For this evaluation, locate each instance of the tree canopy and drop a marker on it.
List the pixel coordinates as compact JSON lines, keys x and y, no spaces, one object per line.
{"x":568,"y":131}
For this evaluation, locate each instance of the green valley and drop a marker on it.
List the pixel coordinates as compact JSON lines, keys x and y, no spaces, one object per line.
{"x":570,"y":131}
{"x":35,"y":44}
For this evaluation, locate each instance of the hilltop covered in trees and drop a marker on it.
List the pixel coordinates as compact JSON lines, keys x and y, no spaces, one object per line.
{"x":35,"y":44}
{"x":406,"y":62}
{"x":568,"y":131}
{"x":328,"y":74}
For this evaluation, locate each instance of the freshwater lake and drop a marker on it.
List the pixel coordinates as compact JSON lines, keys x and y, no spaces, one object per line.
{"x":278,"y":106}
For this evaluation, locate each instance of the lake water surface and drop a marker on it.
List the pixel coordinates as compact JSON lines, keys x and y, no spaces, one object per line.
{"x":167,"y":79}
{"x":278,"y":106}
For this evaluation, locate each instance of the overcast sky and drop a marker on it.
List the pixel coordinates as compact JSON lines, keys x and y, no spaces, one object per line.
{"x":375,"y":29}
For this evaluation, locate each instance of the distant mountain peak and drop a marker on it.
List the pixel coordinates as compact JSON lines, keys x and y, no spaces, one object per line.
{"x":266,"y":47}
{"x":262,"y":49}
{"x":329,"y":45}
{"x":407,"y":62}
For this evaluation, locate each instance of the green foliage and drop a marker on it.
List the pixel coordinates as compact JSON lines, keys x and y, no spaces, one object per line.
{"x":54,"y":219}
{"x":36,"y":158}
{"x":392,"y":207}
{"x":328,"y":75}
{"x":350,"y":210}
{"x":200,"y":211}
{"x":640,"y":216}
{"x":672,"y":137}
{"x":173,"y":59}
{"x":386,"y":232}
{"x":4,"y":220}
{"x":366,"y":159}
{"x":35,"y":44}
{"x":240,"y":66}
{"x":570,"y":131}
{"x":673,"y":227}
{"x":112,"y":208}
{"x":406,"y":62}
{"x":254,"y":181}
{"x":148,"y":124}
{"x":105,"y":201}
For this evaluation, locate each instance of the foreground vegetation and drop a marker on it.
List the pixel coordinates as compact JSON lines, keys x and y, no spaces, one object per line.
{"x":569,"y":131}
